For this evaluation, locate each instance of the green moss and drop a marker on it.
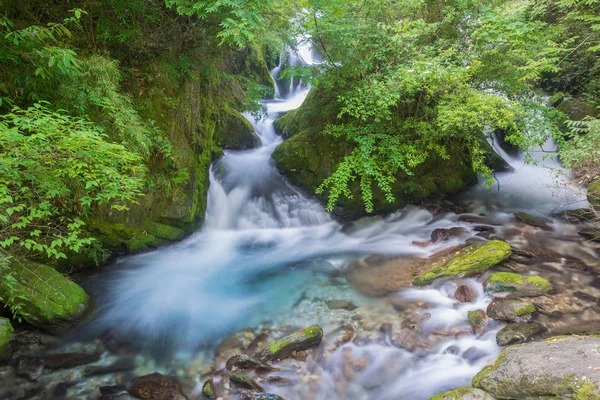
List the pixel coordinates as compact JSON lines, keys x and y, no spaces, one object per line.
{"x":585,"y":391}
{"x":525,"y":310}
{"x":241,"y":379}
{"x":538,"y":281}
{"x":313,"y":331}
{"x":593,"y":193}
{"x":164,"y":231}
{"x":456,"y":394}
{"x":473,"y":260}
{"x":277,"y":346}
{"x":477,"y":379}
{"x":234,"y":132}
{"x":6,"y":333}
{"x":474,"y":318}
{"x":208,"y":389}
{"x":46,"y":297}
{"x":505,"y":277}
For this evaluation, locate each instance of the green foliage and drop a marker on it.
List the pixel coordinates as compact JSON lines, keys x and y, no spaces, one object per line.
{"x":54,"y":169}
{"x":13,"y":299}
{"x":417,"y":79}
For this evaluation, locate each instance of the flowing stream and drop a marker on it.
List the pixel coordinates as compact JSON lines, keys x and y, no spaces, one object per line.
{"x":271,"y":257}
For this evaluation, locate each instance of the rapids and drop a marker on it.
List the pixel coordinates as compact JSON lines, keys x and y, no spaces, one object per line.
{"x":266,"y":255}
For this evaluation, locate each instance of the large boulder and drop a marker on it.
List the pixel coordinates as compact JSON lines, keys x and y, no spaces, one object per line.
{"x":302,"y":339}
{"x":44,"y":297}
{"x":234,"y":132}
{"x":577,"y":109}
{"x":6,"y":333}
{"x":161,"y":387}
{"x":518,"y":333}
{"x":310,"y":155}
{"x":473,"y":260}
{"x":463,"y":393}
{"x":518,"y":285}
{"x":562,"y":367}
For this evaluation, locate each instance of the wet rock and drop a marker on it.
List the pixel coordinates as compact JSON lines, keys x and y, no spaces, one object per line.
{"x":512,"y":309}
{"x":260,"y":396}
{"x":474,"y":354}
{"x":518,"y":285}
{"x":120,"y":365}
{"x":560,"y":367}
{"x":277,"y":380}
{"x":590,"y":233}
{"x":159,"y":387}
{"x":478,"y":321}
{"x":47,"y":298}
{"x":116,"y":392}
{"x":6,"y":334}
{"x":388,"y":277}
{"x":408,"y":338}
{"x":454,"y":350}
{"x":442,"y":234}
{"x":585,"y":296}
{"x":591,"y":327}
{"x":243,"y":362}
{"x":341,"y":305}
{"x":61,"y":389}
{"x":471,"y":260}
{"x":463,"y":393}
{"x":302,"y":339}
{"x":258,"y":342}
{"x":243,"y":382}
{"x":69,"y":360}
{"x":518,"y":333}
{"x":465,"y":294}
{"x":208,"y":390}
{"x":536,"y":222}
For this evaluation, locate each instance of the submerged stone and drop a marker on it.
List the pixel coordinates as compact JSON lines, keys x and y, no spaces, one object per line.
{"x":519,"y":285}
{"x":69,"y":360}
{"x":463,"y":393}
{"x":208,"y":389}
{"x":159,"y":387}
{"x":518,"y":333}
{"x":341,"y":305}
{"x":46,"y":298}
{"x":243,"y":362}
{"x":472,"y":260}
{"x":561,"y":367}
{"x":302,"y":339}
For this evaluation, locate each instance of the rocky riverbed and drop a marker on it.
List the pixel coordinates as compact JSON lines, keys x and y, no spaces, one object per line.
{"x":377,"y":326}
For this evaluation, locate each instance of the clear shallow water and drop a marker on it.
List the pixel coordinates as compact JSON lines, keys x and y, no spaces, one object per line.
{"x":265,"y":258}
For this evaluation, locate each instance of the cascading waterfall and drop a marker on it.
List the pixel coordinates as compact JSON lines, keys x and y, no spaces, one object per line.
{"x":263,"y":247}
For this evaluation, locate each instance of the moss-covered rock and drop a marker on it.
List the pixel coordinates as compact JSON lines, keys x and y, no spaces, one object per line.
{"x":310,"y":155}
{"x":302,"y":339}
{"x":44,"y":297}
{"x":593,"y":194}
{"x":478,"y":320}
{"x":556,"y":368}
{"x":511,"y":309}
{"x":532,"y":220}
{"x":577,"y":109}
{"x":463,"y":393}
{"x":519,"y":285}
{"x":473,"y":260}
{"x":208,"y":390}
{"x":234,"y":132}
{"x":244,"y":382}
{"x":6,"y":333}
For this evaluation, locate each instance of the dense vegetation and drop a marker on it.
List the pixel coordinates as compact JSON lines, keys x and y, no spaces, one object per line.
{"x":89,"y":95}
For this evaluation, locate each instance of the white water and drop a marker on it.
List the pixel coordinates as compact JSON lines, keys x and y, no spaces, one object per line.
{"x":265,"y":245}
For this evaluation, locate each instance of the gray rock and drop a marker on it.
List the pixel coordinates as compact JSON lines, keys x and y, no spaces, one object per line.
{"x":465,"y":294}
{"x":341,"y":305}
{"x":518,"y":333}
{"x":561,"y":367}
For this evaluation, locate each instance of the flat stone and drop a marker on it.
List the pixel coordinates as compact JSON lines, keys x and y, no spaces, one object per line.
{"x":534,"y":221}
{"x":341,"y":305}
{"x":69,"y":360}
{"x":159,"y":387}
{"x":561,"y":367}
{"x":120,"y":365}
{"x":443,"y":234}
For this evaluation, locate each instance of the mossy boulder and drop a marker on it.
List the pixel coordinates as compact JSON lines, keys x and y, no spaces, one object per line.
{"x":518,"y":333}
{"x":577,"y":109}
{"x":310,"y":156}
{"x":518,"y":285}
{"x":473,"y":260}
{"x":45,"y":297}
{"x":234,"y":131}
{"x":556,"y":368}
{"x":244,"y":382}
{"x":511,"y":309}
{"x":6,"y":333}
{"x":534,"y":221}
{"x":208,"y":390}
{"x":593,"y":194}
{"x":302,"y":339}
{"x":463,"y":393}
